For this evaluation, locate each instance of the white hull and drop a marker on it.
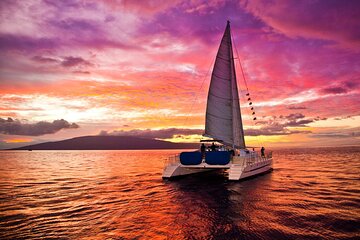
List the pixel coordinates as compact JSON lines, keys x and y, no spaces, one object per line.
{"x":239,"y":168}
{"x":177,"y":170}
{"x":238,"y":172}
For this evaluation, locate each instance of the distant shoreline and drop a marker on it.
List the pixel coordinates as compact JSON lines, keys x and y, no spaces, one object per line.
{"x":107,"y":143}
{"x":96,"y":143}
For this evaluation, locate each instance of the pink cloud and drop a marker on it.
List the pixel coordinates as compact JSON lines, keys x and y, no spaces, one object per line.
{"x":144,"y":7}
{"x":311,"y":19}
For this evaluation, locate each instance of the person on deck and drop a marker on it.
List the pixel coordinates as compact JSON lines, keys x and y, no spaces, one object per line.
{"x":213,"y":147}
{"x":203,"y":148}
{"x":262,"y":151}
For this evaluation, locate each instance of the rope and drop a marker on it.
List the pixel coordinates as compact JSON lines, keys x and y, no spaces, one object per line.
{"x":196,"y":94}
{"x":258,"y":138}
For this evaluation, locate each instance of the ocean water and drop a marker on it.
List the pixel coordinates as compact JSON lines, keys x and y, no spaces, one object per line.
{"x":310,"y":194}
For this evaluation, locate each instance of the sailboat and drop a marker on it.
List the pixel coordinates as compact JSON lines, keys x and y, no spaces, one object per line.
{"x":224,"y":128}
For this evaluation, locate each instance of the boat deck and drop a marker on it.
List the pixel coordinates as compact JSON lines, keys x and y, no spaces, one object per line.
{"x":249,"y":159}
{"x":205,"y":165}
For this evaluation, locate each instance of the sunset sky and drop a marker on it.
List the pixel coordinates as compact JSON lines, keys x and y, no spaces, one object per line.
{"x":115,"y":67}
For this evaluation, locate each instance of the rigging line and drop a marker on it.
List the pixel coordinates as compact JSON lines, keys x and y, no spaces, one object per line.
{"x":258,"y":138}
{"x":196,"y":95}
{"x":242,"y":70}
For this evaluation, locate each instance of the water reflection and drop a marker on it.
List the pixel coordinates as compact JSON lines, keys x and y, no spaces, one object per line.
{"x":120,"y":194}
{"x":210,"y":207}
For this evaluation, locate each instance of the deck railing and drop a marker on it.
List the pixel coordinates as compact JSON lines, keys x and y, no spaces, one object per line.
{"x":173,"y":159}
{"x":248,"y":159}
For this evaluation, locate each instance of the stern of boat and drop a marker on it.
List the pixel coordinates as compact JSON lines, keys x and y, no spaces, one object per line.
{"x":249,"y":165}
{"x":174,"y":168}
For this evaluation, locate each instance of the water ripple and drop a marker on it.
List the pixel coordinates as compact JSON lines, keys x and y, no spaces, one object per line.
{"x":310,"y":194}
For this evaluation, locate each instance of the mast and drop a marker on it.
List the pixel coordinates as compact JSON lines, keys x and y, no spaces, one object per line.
{"x":238,"y":131}
{"x":223,"y":116}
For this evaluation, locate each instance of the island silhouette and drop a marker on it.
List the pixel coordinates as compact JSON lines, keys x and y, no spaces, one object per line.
{"x":107,"y":143}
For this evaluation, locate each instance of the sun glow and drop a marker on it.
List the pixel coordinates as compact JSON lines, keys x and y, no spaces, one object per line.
{"x":18,"y":140}
{"x":185,"y":139}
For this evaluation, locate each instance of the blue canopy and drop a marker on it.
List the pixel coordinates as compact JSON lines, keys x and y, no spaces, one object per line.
{"x":217,"y":158}
{"x":190,"y":158}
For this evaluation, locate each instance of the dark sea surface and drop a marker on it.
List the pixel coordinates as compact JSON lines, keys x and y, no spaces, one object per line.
{"x":311,"y":194}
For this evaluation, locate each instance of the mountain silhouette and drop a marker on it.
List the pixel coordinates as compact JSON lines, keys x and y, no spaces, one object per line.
{"x":107,"y":143}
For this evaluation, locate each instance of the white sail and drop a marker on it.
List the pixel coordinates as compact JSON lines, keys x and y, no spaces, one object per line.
{"x":223,"y":116}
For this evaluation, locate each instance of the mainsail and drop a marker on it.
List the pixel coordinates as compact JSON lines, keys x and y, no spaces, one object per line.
{"x":223,"y":116}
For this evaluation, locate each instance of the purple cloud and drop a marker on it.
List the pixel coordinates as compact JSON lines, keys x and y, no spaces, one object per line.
{"x":16,"y":127}
{"x":77,"y":26}
{"x":334,"y":90}
{"x":42,"y":59}
{"x":300,"y":123}
{"x":296,"y":107}
{"x":25,"y":43}
{"x":352,"y":84}
{"x":280,"y":125}
{"x":75,"y":61}
{"x":294,"y":116}
{"x":64,"y":4}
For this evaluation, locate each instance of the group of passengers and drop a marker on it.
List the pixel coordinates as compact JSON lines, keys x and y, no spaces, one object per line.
{"x":214,"y":148}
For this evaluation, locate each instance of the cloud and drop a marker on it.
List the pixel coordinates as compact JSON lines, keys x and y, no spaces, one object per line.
{"x":341,"y":118}
{"x":293,"y":116}
{"x":149,"y":133}
{"x":17,"y":42}
{"x":42,"y":59}
{"x":296,"y":107}
{"x":68,"y":61}
{"x":272,"y":131}
{"x":320,"y":118}
{"x":295,"y":120}
{"x":146,"y":8}
{"x":334,"y":90}
{"x":75,"y":61}
{"x":310,"y":19}
{"x":25,"y":43}
{"x":82,"y":72}
{"x":352,"y":84}
{"x":282,"y":125}
{"x":150,"y":57}
{"x":342,"y":87}
{"x":77,"y":25}
{"x":15,"y":127}
{"x":203,"y":6}
{"x":350,"y":133}
{"x":61,"y":5}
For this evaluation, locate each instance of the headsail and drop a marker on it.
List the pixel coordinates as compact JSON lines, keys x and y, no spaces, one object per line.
{"x":223,"y":116}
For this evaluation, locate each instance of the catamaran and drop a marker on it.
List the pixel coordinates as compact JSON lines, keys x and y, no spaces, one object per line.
{"x":223,"y":126}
